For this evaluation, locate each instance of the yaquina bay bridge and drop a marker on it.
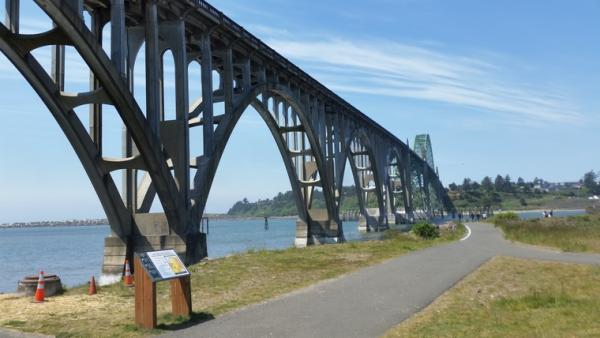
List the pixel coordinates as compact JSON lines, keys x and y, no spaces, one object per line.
{"x":316,"y":131}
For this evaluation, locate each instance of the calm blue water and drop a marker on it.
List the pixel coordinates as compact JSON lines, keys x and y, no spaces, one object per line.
{"x":557,"y":213}
{"x":75,"y":253}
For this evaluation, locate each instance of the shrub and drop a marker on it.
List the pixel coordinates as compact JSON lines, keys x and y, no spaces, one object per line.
{"x":426,"y":230}
{"x":505,"y":217}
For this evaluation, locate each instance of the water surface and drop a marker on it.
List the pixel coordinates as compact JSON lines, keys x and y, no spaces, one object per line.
{"x":75,"y":253}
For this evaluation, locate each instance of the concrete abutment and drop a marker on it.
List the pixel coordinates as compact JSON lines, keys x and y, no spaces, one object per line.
{"x":319,"y":229}
{"x":152,"y":233}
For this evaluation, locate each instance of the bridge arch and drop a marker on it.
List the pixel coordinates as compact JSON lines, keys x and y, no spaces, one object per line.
{"x":287,"y":121}
{"x":108,"y":89}
{"x":319,"y":133}
{"x":396,"y":186}
{"x":363,"y":163}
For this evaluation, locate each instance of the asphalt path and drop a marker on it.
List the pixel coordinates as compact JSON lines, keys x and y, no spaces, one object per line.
{"x":368,"y":302}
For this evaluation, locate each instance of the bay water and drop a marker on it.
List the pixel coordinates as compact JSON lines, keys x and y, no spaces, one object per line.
{"x":557,"y":213}
{"x":75,"y":253}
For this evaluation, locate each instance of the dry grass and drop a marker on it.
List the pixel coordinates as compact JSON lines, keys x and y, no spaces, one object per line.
{"x":577,"y":233}
{"x":510,"y":297}
{"x":218,"y":286}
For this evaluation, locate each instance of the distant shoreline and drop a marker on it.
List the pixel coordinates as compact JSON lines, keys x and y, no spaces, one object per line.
{"x":211,"y":218}
{"x":104,"y":222}
{"x":542,"y":210}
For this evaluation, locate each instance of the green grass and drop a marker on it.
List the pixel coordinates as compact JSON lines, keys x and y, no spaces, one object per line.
{"x":509,"y":297}
{"x":576,"y":234}
{"x":218,"y":286}
{"x":514,"y":201}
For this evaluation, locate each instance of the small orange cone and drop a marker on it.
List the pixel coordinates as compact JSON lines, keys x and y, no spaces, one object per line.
{"x":128,"y":280}
{"x":39,"y":292}
{"x":92,"y":289}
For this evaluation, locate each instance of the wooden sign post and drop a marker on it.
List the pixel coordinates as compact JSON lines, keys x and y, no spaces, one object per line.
{"x":155,"y":266}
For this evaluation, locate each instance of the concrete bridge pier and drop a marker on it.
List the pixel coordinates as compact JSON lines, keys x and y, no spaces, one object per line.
{"x":152,"y":232}
{"x":319,"y":229}
{"x":371,"y":221}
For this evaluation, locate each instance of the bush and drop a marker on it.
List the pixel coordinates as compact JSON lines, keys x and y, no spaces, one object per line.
{"x":506,"y":217}
{"x":426,"y":230}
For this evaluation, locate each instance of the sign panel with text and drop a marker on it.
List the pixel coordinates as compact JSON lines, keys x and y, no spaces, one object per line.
{"x":163,"y":265}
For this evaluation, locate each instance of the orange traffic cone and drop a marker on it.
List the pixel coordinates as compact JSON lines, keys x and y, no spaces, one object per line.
{"x":128,"y":280}
{"x":39,"y":292}
{"x":92,"y":289}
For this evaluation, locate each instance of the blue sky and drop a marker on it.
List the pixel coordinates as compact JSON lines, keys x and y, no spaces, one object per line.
{"x":505,"y":87}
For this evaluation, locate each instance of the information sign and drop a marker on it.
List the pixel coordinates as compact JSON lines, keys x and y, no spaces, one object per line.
{"x":163,"y":265}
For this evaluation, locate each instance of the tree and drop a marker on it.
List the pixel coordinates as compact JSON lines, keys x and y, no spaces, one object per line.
{"x":508,"y":186}
{"x":490,"y":199}
{"x":590,"y":182}
{"x":520,"y":182}
{"x":487,"y":184}
{"x":453,"y":187}
{"x":499,"y":183}
{"x":466,"y":186}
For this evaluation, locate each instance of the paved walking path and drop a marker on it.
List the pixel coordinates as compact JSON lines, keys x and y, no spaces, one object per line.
{"x":368,"y":302}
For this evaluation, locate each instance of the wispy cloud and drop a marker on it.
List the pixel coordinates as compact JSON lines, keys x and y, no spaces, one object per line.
{"x":394,"y":69}
{"x":484,"y":82}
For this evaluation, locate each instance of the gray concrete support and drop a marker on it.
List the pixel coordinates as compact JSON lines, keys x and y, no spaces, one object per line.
{"x":207,"y":94}
{"x":152,"y":71}
{"x":151,"y":233}
{"x":11,"y":20}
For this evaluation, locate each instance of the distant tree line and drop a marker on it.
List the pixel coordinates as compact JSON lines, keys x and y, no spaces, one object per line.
{"x":503,"y":190}
{"x":284,"y":204}
{"x":499,"y":184}
{"x":499,"y":192}
{"x":591,"y":182}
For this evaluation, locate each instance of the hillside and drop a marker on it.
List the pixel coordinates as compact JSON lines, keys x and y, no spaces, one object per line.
{"x":284,"y":205}
{"x":498,"y":193}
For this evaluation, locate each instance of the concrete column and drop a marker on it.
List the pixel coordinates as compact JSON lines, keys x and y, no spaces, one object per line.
{"x":247,"y":74}
{"x":207,"y":95}
{"x":153,"y":86}
{"x":12,"y":15}
{"x":95,"y":114}
{"x":409,"y":208}
{"x":182,"y":160}
{"x":228,"y":80}
{"x":427,"y":196}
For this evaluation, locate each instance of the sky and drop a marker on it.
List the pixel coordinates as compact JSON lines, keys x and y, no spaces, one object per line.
{"x":507,"y":87}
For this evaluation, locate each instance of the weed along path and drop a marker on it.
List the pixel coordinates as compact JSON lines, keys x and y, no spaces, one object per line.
{"x":368,"y":302}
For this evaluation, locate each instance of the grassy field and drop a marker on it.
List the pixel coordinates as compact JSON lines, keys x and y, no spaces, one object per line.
{"x":218,"y":286}
{"x":548,"y":201}
{"x":510,"y":297}
{"x":577,"y":233}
